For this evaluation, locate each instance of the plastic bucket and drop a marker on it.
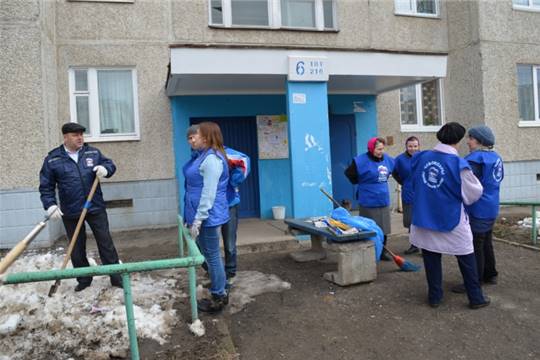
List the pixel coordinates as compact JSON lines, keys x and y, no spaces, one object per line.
{"x":278,"y":212}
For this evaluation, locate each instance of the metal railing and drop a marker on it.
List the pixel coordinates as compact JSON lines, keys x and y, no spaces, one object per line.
{"x":194,"y":259}
{"x":534,"y":205}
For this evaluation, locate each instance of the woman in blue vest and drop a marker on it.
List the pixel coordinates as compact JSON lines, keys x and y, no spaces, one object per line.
{"x":206,"y":207}
{"x":370,"y":171}
{"x":402,"y":174}
{"x":442,"y":183}
{"x":487,"y":166}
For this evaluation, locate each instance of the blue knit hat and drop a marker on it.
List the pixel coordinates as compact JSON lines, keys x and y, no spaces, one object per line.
{"x":483,"y":134}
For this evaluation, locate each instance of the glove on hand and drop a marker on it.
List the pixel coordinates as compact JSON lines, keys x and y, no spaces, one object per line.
{"x":54,"y":212}
{"x":195,"y":229}
{"x":100,"y":171}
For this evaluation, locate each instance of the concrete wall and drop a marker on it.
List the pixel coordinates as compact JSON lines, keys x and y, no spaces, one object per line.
{"x":362,"y":24}
{"x":154,"y":204}
{"x":28,"y":97}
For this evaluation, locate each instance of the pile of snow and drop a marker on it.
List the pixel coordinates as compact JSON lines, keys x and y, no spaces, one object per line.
{"x":90,"y":324}
{"x":248,"y":284}
{"x":527,"y":222}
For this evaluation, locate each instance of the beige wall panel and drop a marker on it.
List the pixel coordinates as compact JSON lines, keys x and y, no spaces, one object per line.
{"x":152,"y":156}
{"x":410,"y":33}
{"x":500,"y":92}
{"x":463,"y":87}
{"x":21,"y":107}
{"x":141,"y":20}
{"x":19,"y":10}
{"x":500,"y":22}
{"x":462,"y":23}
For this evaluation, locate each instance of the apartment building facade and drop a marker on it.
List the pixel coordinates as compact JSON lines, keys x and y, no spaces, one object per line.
{"x":299,"y":85}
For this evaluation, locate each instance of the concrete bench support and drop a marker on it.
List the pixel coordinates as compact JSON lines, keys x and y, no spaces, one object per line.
{"x":356,"y":262}
{"x":316,"y":252}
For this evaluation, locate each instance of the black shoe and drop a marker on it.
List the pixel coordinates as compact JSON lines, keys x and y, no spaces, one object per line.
{"x":213,"y":305}
{"x":491,"y":281}
{"x":385,"y":256}
{"x":230,"y":275}
{"x":434,"y":304}
{"x":459,"y":289}
{"x":412,"y":250}
{"x":486,"y":302}
{"x":81,"y":287}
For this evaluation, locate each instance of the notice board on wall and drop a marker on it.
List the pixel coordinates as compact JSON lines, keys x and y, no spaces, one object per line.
{"x":272,"y":135}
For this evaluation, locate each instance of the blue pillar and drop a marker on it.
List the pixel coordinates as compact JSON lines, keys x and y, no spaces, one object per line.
{"x":309,"y":145}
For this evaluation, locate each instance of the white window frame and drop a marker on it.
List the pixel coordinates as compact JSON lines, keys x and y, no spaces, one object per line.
{"x":536,"y":100}
{"x":274,"y":17}
{"x":419,"y":127}
{"x":415,"y":13}
{"x":530,"y":7}
{"x":94,"y":133}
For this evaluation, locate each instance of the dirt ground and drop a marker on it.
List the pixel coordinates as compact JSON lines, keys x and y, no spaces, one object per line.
{"x":385,"y":319}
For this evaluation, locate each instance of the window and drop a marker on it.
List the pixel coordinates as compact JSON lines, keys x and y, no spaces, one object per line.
{"x":530,"y":5}
{"x":421,"y":106}
{"x":528,"y":77}
{"x":428,"y":8}
{"x":274,"y":14}
{"x":104,"y":100}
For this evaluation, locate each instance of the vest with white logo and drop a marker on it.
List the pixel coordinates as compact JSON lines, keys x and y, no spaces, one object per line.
{"x":436,"y":183}
{"x":373,"y":176}
{"x":487,"y":207}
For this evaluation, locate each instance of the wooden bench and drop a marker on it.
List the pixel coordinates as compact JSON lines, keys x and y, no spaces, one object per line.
{"x":354,"y":254}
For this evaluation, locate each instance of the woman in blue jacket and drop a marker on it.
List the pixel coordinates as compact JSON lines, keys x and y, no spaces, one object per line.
{"x":487,"y":166}
{"x":370,"y":171}
{"x":402,"y":174}
{"x":206,"y":207}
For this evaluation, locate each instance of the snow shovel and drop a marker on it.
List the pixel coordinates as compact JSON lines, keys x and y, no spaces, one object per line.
{"x":87,"y":204}
{"x":17,"y":250}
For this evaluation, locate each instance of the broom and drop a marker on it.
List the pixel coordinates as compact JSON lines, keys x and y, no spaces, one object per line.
{"x":402,"y":263}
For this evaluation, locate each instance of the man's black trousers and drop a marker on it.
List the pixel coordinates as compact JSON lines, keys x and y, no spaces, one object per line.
{"x":99,"y":224}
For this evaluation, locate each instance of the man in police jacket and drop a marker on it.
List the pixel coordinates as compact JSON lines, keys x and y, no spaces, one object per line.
{"x":71,"y":168}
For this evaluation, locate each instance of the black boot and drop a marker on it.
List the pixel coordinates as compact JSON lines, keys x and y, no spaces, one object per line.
{"x":213,"y":305}
{"x":412,"y":250}
{"x":385,"y":256}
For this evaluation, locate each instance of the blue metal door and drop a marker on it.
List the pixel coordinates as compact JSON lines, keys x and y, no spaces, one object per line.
{"x":240,"y":133}
{"x":342,"y":147}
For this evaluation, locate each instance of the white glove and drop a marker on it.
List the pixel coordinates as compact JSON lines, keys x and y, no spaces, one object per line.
{"x":100,"y":170}
{"x":54,"y":212}
{"x":195,"y":228}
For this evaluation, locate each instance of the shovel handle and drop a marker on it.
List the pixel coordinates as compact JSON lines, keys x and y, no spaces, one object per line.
{"x":330,"y":197}
{"x":17,"y":250}
{"x":54,"y":287}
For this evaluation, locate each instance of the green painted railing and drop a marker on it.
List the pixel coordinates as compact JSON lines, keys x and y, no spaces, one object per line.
{"x":533,"y":205}
{"x":193,"y":260}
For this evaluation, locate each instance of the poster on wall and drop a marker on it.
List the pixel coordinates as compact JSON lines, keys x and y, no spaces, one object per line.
{"x":272,"y":136}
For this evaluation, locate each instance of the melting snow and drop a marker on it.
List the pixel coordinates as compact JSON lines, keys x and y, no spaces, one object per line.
{"x":90,"y":324}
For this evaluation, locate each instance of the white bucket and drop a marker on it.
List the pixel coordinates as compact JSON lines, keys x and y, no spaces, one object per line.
{"x":278,"y":212}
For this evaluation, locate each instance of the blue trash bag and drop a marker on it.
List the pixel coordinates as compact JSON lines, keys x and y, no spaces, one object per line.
{"x":361,"y":223}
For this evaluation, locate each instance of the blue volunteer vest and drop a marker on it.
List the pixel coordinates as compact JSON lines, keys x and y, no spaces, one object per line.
{"x":403,"y":168}
{"x":219,"y":213}
{"x":492,"y":175}
{"x":372,"y":191}
{"x":436,"y":185}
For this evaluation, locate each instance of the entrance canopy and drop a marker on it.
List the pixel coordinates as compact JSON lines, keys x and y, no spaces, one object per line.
{"x":215,"y":71}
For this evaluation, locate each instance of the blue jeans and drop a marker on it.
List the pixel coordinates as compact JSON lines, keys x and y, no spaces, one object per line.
{"x":228,"y":232}
{"x":208,"y":242}
{"x":467,"y":266}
